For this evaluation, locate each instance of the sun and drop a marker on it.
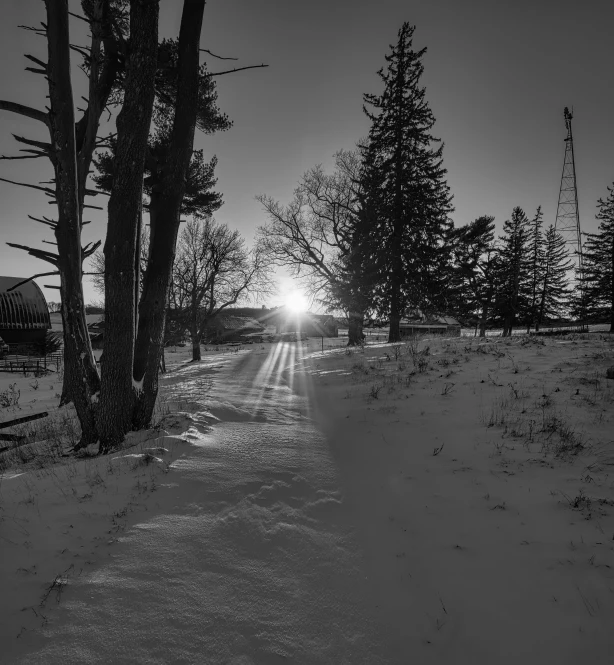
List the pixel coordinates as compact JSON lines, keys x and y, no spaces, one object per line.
{"x":296,"y":302}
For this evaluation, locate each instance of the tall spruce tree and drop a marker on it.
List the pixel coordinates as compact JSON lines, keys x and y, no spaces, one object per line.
{"x":410,"y":194}
{"x":514,"y":265}
{"x":598,"y":264}
{"x":536,"y":267}
{"x":554,"y":291}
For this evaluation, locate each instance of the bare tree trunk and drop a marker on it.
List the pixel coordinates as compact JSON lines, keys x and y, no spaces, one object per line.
{"x":355,"y":336}
{"x":394,"y":334}
{"x":165,"y":207}
{"x":195,"y":337}
{"x":484,"y":316}
{"x":121,"y":247}
{"x":162,"y":362}
{"x":81,"y":376}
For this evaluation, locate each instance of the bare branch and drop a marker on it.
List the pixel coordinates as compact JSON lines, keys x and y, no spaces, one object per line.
{"x":35,"y":70}
{"x":238,"y":69}
{"x":41,"y":145}
{"x":47,"y":191}
{"x":42,"y":32}
{"x":81,"y":18}
{"x":40,"y":274}
{"x":219,"y":57}
{"x":90,"y":248}
{"x":27,"y":111}
{"x":37,"y":253}
{"x":36,"y":61}
{"x":80,"y":50}
{"x":44,"y":220}
{"x":34,"y":156}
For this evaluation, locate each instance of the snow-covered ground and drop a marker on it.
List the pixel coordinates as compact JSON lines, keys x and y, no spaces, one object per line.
{"x":450,"y":501}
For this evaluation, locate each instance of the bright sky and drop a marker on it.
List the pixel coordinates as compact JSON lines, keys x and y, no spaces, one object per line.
{"x":498,"y":75}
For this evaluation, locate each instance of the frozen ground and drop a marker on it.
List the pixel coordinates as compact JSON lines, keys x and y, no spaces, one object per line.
{"x":447,"y":501}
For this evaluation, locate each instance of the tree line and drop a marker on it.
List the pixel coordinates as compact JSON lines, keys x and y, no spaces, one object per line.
{"x":375,"y":238}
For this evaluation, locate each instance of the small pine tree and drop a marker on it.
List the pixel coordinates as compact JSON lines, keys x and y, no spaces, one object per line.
{"x":597,"y":280}
{"x":554,"y":291}
{"x":470,"y":284}
{"x":536,"y":267}
{"x":513,"y":294}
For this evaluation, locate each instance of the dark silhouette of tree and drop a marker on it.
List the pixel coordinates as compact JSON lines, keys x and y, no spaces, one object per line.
{"x":513,"y":293}
{"x":70,"y":149}
{"x":536,"y":267}
{"x":475,"y":268}
{"x":213,"y":270}
{"x":410,"y":194}
{"x":598,"y":262}
{"x":553,"y":292}
{"x":319,"y":236}
{"x":121,"y":248}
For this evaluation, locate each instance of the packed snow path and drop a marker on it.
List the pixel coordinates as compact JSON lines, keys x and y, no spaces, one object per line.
{"x":249,"y":557}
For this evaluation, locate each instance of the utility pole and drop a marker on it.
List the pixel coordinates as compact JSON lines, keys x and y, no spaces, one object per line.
{"x":567,"y":214}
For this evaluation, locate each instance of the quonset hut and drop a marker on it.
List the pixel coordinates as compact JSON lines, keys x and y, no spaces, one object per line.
{"x":24,"y":315}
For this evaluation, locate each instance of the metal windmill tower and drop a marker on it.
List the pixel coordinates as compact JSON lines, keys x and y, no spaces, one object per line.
{"x":567,"y":215}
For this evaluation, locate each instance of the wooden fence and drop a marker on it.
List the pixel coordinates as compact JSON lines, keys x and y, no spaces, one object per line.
{"x":36,"y":364}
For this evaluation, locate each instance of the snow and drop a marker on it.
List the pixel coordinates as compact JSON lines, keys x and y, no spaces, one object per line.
{"x":306,"y":506}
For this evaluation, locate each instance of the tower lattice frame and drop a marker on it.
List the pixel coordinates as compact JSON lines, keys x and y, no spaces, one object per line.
{"x":567,"y":213}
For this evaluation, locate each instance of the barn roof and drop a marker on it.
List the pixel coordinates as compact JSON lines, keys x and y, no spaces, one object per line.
{"x":238,"y":323}
{"x":24,"y":308}
{"x":433,"y":320}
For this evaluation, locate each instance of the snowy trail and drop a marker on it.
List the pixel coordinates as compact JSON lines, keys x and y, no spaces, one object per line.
{"x":250,"y":556}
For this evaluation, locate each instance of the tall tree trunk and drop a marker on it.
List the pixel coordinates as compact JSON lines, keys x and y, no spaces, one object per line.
{"x":121,"y":247}
{"x":81,"y":376}
{"x":484,"y":316}
{"x":542,"y":305}
{"x":394,"y":334}
{"x":165,"y":205}
{"x":355,"y":336}
{"x":195,"y":338}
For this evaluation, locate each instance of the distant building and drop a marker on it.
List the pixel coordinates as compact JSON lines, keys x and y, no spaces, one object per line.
{"x":312,"y":325}
{"x":419,"y":324}
{"x":24,"y":315}
{"x":229,"y":328}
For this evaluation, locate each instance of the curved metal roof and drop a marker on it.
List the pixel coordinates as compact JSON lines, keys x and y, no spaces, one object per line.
{"x":24,"y":308}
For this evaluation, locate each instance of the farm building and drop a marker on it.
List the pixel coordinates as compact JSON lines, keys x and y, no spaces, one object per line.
{"x":24,"y":315}
{"x":312,"y":325}
{"x":420,"y":324}
{"x":227,"y":328}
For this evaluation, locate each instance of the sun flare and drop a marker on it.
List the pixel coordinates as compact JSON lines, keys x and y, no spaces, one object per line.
{"x":296,"y":302}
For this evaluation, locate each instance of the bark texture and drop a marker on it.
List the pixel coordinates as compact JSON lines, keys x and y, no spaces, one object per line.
{"x":121,"y":249}
{"x":81,"y":376}
{"x":355,"y":335}
{"x":165,"y":205}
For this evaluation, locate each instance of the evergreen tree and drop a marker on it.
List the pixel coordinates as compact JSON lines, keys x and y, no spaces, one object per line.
{"x":471,"y":285}
{"x":411,"y":197}
{"x":598,"y":265}
{"x":554,"y":291}
{"x":513,"y":294}
{"x":354,"y":288}
{"x":536,"y":267}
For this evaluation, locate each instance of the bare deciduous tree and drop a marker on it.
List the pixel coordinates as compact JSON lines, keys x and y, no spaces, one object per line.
{"x":316,"y":238}
{"x":214,"y":270}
